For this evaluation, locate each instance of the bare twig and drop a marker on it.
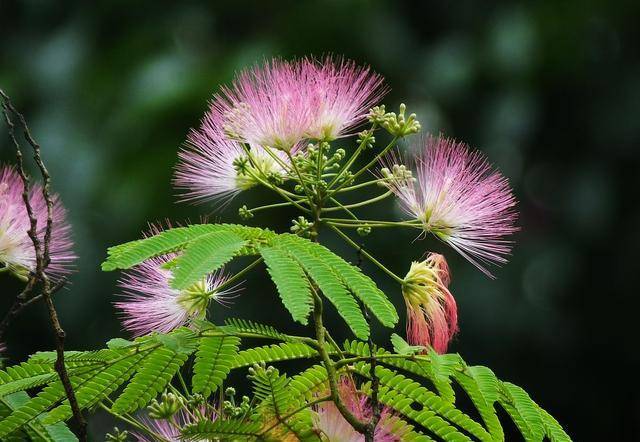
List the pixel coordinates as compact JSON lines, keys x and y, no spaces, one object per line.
{"x":42,"y":247}
{"x":23,"y":301}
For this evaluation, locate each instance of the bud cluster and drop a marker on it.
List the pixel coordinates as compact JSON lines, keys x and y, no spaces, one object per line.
{"x":398,"y":125}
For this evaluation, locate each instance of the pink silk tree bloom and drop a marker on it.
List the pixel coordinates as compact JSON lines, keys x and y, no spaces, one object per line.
{"x":334,"y":428}
{"x":151,"y":305}
{"x":268,"y":105}
{"x":432,"y":313}
{"x":169,"y":429}
{"x":215,"y":168}
{"x":17,"y":253}
{"x":460,"y":199}
{"x":342,"y":94}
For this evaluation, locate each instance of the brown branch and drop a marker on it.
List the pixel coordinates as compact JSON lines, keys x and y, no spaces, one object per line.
{"x":23,"y":301}
{"x":39,"y":277}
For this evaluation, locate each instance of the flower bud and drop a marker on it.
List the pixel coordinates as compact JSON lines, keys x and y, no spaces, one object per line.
{"x":168,"y":405}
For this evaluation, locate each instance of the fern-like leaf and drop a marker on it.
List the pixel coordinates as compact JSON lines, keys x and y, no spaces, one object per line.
{"x":291,"y":281}
{"x":234,"y":325}
{"x":99,"y":386}
{"x":273,"y":353}
{"x":523,"y":411}
{"x":30,"y":410}
{"x":35,"y":430}
{"x":206,"y":255}
{"x":553,"y":429}
{"x":214,"y":359}
{"x":153,"y":375}
{"x":229,"y":429}
{"x":360,"y":284}
{"x":482,"y":387}
{"x":126,"y":255}
{"x":398,"y":389}
{"x":329,"y":282}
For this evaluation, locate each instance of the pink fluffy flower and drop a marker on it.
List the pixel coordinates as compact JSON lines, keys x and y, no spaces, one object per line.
{"x":280,"y":103}
{"x":342,"y":94}
{"x":16,"y":249}
{"x":151,"y":304}
{"x":268,"y":105}
{"x":432,"y":313}
{"x":169,"y":430}
{"x":334,"y":428}
{"x":213,"y":167}
{"x":461,"y":199}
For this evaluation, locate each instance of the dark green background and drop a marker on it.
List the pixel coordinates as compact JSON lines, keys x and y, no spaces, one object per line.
{"x":550,"y":90}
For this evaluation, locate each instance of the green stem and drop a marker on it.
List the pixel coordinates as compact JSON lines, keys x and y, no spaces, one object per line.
{"x":360,"y":204}
{"x":331,"y":371}
{"x":339,"y":204}
{"x":238,"y":275}
{"x":365,"y":184}
{"x":369,"y":164}
{"x":296,"y":411}
{"x":366,"y":254}
{"x":283,"y":193}
{"x":303,"y":183}
{"x":348,"y":164}
{"x":271,"y":206}
{"x":276,"y":158}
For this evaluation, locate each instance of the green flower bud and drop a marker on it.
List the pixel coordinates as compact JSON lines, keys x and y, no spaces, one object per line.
{"x":364,"y":230}
{"x":168,"y":405}
{"x":117,"y":435}
{"x":245,"y":213}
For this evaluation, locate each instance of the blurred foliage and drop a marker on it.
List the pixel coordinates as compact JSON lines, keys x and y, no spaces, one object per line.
{"x":549,"y":90}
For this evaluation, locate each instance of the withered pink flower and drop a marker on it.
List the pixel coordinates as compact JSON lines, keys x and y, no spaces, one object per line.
{"x":460,"y":199}
{"x":333,"y":426}
{"x":432,"y":313}
{"x":17,"y":253}
{"x":151,"y":305}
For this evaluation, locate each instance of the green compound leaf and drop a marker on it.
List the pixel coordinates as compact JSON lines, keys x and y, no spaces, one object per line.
{"x":204,"y":256}
{"x":291,"y":281}
{"x":358,"y":283}
{"x":329,"y":282}
{"x":273,"y":353}
{"x":230,"y":429}
{"x":214,"y":359}
{"x":152,"y":377}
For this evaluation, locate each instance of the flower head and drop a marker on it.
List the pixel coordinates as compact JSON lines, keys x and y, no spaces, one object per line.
{"x":268,"y":105}
{"x":213,"y":167}
{"x":17,"y":252}
{"x":432,"y":313}
{"x":170,"y":429}
{"x":334,"y":428}
{"x":151,"y":304}
{"x":342,"y":94}
{"x":460,"y":199}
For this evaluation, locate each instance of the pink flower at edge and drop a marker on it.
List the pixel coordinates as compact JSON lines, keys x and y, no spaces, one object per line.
{"x":332,"y":425}
{"x":170,"y":430}
{"x":16,"y":248}
{"x":460,"y":199}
